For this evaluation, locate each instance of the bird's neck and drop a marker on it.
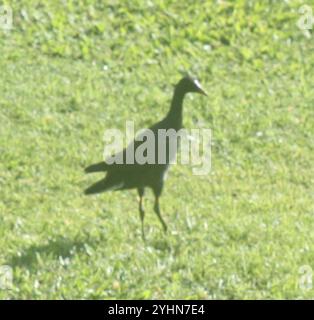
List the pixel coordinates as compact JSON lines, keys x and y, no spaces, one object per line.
{"x":175,"y":112}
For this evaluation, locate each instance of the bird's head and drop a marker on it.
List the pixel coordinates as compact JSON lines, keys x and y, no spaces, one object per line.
{"x":189,"y":84}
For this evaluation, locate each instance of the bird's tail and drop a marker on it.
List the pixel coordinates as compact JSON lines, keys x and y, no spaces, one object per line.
{"x":97,"y":167}
{"x":102,"y":186}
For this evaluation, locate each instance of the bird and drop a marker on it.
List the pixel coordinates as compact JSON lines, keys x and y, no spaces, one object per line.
{"x":121,"y":176}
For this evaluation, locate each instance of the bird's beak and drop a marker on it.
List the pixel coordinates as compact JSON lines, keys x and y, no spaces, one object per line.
{"x":201,"y":91}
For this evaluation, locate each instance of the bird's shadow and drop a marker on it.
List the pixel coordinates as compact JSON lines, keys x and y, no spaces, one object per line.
{"x":55,"y":248}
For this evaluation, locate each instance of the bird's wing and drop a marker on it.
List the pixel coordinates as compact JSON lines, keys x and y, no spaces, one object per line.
{"x":97,"y":167}
{"x":119,"y":158}
{"x":104,"y":185}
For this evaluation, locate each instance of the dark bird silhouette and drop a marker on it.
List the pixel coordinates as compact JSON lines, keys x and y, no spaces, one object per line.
{"x":138,"y":175}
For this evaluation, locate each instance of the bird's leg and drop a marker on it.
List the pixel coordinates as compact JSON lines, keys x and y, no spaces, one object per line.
{"x":142,"y":214}
{"x":157,"y":210}
{"x":141,"y":210}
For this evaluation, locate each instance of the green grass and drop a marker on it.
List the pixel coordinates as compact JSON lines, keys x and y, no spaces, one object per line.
{"x":71,"y":69}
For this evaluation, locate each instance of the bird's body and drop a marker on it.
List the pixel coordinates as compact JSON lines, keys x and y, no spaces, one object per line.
{"x":137,"y":175}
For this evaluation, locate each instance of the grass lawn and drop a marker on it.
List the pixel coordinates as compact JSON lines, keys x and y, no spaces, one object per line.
{"x":72,"y":69}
